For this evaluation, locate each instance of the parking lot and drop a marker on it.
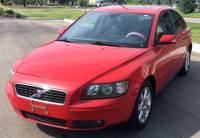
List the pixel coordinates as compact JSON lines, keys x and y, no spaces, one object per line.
{"x":175,"y":114}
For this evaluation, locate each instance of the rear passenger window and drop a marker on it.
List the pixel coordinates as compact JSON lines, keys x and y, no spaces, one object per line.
{"x":164,"y":26}
{"x":178,"y":21}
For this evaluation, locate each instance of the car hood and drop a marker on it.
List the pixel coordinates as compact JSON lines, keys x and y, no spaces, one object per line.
{"x":74,"y":62}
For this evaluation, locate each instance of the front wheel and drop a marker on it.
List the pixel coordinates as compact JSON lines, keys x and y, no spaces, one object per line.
{"x":142,"y":107}
{"x":185,"y":69}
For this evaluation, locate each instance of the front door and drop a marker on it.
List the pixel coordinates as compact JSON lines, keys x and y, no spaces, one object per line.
{"x":167,"y":52}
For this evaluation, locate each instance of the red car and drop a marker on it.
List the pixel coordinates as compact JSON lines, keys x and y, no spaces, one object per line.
{"x":104,"y":69}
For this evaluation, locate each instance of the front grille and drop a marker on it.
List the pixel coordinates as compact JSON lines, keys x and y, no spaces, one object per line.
{"x":50,"y":95}
{"x":45,"y":119}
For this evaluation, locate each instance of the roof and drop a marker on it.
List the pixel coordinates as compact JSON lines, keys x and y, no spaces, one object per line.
{"x":149,"y":9}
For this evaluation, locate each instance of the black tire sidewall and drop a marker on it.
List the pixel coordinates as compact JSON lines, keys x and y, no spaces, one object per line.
{"x":183,"y":71}
{"x":134,"y":120}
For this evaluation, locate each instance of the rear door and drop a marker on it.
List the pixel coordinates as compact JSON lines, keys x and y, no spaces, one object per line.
{"x":181,"y":34}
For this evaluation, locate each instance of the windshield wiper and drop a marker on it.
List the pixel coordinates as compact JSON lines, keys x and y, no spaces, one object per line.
{"x":107,"y":44}
{"x":64,"y":40}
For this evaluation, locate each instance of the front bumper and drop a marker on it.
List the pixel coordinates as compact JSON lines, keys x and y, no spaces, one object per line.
{"x":111,"y":111}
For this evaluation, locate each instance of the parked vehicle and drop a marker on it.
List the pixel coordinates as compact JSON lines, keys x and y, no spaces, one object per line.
{"x":105,"y":4}
{"x":99,"y":2}
{"x":104,"y":69}
{"x":95,"y":2}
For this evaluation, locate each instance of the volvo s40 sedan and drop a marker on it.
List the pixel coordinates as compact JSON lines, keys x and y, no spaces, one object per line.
{"x":104,"y":69}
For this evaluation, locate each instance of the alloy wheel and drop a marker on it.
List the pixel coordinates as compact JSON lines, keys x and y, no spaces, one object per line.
{"x":144,"y":105}
{"x":187,"y":61}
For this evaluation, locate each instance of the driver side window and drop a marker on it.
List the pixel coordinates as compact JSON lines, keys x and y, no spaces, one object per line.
{"x":164,"y":26}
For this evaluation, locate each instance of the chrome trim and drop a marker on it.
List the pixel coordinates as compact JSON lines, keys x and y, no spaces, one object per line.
{"x":47,"y":102}
{"x":39,"y":107}
{"x":174,"y":41}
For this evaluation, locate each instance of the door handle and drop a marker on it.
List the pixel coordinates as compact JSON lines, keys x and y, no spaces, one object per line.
{"x":174,"y":42}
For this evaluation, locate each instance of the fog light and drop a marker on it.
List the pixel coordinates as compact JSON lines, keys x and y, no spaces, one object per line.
{"x":17,"y":110}
{"x":88,"y":124}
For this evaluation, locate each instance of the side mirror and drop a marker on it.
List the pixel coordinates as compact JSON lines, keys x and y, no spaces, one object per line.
{"x":167,"y":39}
{"x":61,"y":31}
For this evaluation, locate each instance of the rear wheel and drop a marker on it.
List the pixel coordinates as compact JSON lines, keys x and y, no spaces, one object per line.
{"x":142,"y":107}
{"x":185,"y":69}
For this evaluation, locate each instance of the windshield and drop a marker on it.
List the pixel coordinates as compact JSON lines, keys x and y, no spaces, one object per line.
{"x":122,"y":29}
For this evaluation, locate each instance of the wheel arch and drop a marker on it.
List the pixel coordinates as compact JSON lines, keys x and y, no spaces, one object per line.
{"x":152,"y":80}
{"x":190,"y":47}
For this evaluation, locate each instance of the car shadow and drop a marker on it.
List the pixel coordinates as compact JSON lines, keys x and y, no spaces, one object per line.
{"x":175,"y":113}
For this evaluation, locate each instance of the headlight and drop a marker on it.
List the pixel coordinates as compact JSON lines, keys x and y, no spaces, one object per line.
{"x":107,"y":90}
{"x":10,"y":75}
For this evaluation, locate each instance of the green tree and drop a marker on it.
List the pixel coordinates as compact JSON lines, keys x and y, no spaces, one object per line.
{"x":169,"y":2}
{"x":159,"y":1}
{"x":129,"y":1}
{"x":187,"y":6}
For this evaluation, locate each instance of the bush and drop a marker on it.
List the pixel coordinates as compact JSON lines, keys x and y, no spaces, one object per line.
{"x":198,"y":11}
{"x":6,"y":4}
{"x":65,"y":5}
{"x":186,"y":6}
{"x":5,"y":15}
{"x":9,"y":11}
{"x":1,"y":10}
{"x":17,"y":15}
{"x":150,"y":3}
{"x":6,"y":10}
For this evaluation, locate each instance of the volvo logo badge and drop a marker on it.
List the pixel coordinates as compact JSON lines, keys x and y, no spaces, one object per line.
{"x":39,"y":93}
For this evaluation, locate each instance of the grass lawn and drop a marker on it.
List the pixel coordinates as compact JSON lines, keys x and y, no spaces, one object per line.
{"x":51,"y":13}
{"x":195,"y":32}
{"x":195,"y":14}
{"x":16,"y":6}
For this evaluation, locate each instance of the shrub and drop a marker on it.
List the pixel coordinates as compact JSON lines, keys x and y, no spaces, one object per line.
{"x":65,"y":5}
{"x":150,"y":3}
{"x":9,"y":11}
{"x":17,"y":15}
{"x":5,"y":15}
{"x":6,"y":10}
{"x":1,"y":10}
{"x":5,"y":4}
{"x":198,"y":11}
{"x":186,"y":6}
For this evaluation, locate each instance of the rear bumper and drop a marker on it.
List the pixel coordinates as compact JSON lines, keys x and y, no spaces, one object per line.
{"x":111,"y":111}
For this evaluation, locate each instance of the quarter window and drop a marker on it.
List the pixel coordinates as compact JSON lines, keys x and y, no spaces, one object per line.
{"x":178,"y":21}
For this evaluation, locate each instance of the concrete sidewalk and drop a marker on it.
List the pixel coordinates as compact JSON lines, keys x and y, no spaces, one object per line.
{"x":192,"y":20}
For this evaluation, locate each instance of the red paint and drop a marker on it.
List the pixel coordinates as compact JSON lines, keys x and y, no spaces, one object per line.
{"x":72,"y":68}
{"x":167,"y":38}
{"x":61,"y":31}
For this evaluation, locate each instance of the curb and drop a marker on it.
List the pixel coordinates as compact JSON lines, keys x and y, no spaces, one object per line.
{"x":196,"y":47}
{"x":68,"y":20}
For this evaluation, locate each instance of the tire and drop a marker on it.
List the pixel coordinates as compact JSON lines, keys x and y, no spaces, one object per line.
{"x":185,"y":69}
{"x":138,"y":120}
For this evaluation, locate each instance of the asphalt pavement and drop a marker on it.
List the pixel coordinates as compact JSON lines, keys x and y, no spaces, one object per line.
{"x":175,"y":113}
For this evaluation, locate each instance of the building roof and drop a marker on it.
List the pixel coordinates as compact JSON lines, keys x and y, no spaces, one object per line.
{"x":130,"y":8}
